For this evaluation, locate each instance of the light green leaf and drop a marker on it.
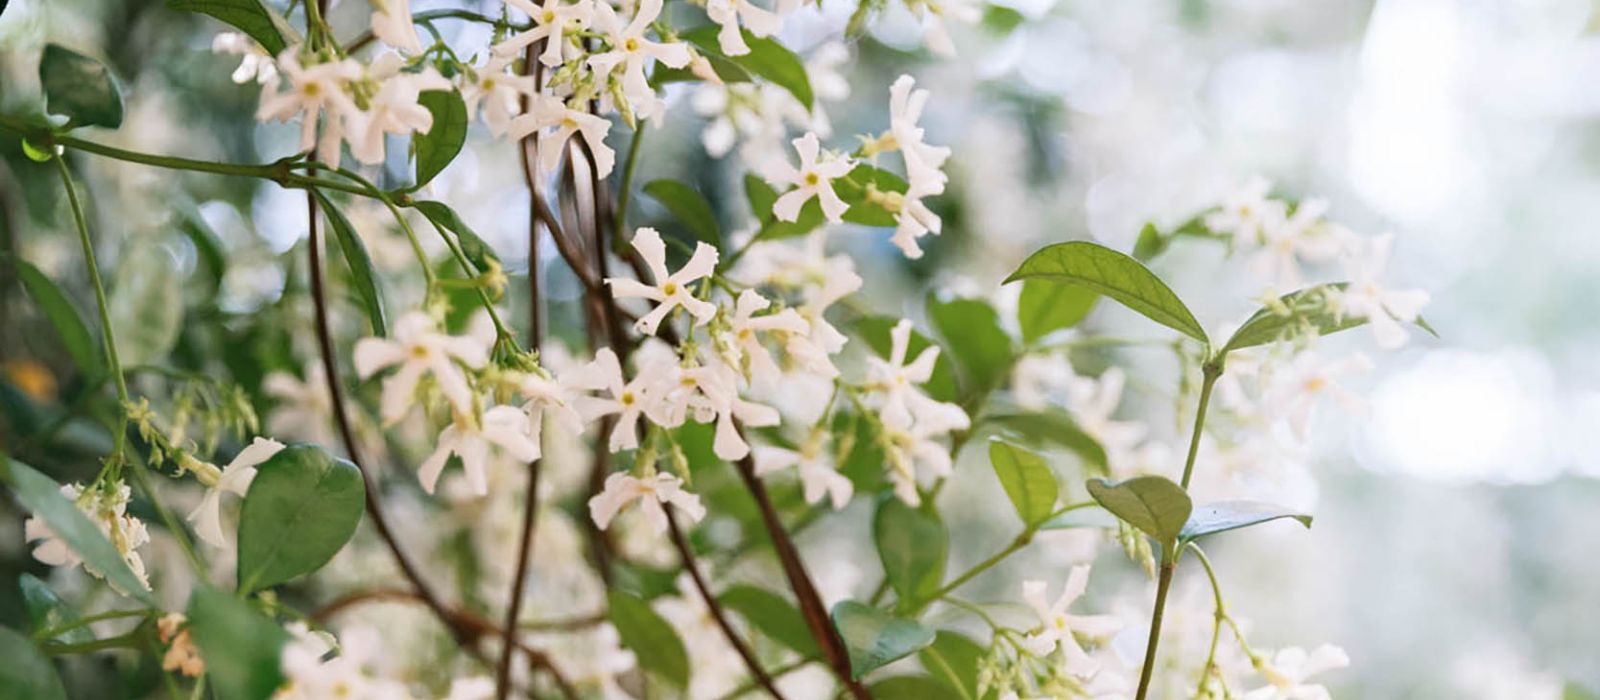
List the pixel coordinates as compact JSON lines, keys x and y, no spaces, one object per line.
{"x":913,"y":688}
{"x":971,"y":329}
{"x":1047,"y":306}
{"x":875,"y":331}
{"x":478,"y":252}
{"x":875,"y":638}
{"x":767,"y":58}
{"x":1113,"y":274}
{"x":303,"y":507}
{"x":240,"y":645}
{"x":42,"y":495}
{"x":80,"y":88}
{"x":437,"y":148}
{"x":772,"y":615}
{"x":954,"y":659}
{"x":1028,"y":482}
{"x":650,"y":637}
{"x":1153,"y":504}
{"x":689,"y":207}
{"x":63,"y":316}
{"x":248,"y":16}
{"x":1213,"y":518}
{"x":1051,"y":427}
{"x":361,"y":272}
{"x":146,"y":304}
{"x":46,"y":610}
{"x":913,"y":546}
{"x":27,"y":673}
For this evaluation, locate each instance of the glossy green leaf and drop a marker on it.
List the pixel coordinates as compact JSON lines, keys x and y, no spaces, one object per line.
{"x":79,"y":88}
{"x":1028,"y":481}
{"x":971,"y":329}
{"x":63,"y":316}
{"x":913,"y":546}
{"x":43,"y":497}
{"x":773,"y":615}
{"x":303,"y":507}
{"x":478,"y":252}
{"x":362,"y":274}
{"x":689,"y":207}
{"x":913,"y":688}
{"x":248,"y":16}
{"x":46,"y":610}
{"x":147,"y":307}
{"x":768,"y":59}
{"x":1051,"y":427}
{"x":1046,"y":306}
{"x":954,"y":659}
{"x":240,"y":645}
{"x":650,"y":637}
{"x":875,"y":638}
{"x":875,"y":331}
{"x":437,"y":148}
{"x":27,"y":673}
{"x":1113,"y":274}
{"x":1153,"y":504}
{"x":1213,"y":518}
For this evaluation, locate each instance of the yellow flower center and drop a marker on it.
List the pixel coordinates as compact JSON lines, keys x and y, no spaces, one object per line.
{"x":812,"y":179}
{"x":630,"y":45}
{"x":627,"y":398}
{"x":669,"y":288}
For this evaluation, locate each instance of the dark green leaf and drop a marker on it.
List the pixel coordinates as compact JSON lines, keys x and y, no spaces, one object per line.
{"x":689,"y":207}
{"x":772,"y":615}
{"x":240,"y":645}
{"x":913,"y":688}
{"x":723,"y":66}
{"x":760,"y":195}
{"x":43,"y":497}
{"x":1106,"y":271}
{"x":1213,"y":518}
{"x":875,"y":330}
{"x":248,"y":16}
{"x":913,"y":545}
{"x":27,"y":673}
{"x":146,"y":304}
{"x":1153,"y":504}
{"x":971,"y":329}
{"x":63,"y":316}
{"x":437,"y":148}
{"x":46,"y":610}
{"x":473,"y":247}
{"x":1028,"y":482}
{"x":772,"y":229}
{"x":855,"y":188}
{"x":767,"y":58}
{"x":874,"y":637}
{"x":954,"y":659}
{"x":1047,"y":306}
{"x":303,"y":507}
{"x":80,"y":88}
{"x":650,"y":637}
{"x":361,"y":272}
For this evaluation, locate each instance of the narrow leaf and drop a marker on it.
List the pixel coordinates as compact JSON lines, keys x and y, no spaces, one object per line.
{"x":1106,"y":271}
{"x":302,"y":507}
{"x":650,"y":637}
{"x":478,"y":252}
{"x":64,"y":317}
{"x":913,"y":546}
{"x":42,"y":495}
{"x":1047,"y":306}
{"x":80,"y":88}
{"x":689,"y":207}
{"x":875,"y":638}
{"x":27,"y":673}
{"x":437,"y":148}
{"x":1028,"y":482}
{"x":1213,"y":518}
{"x":240,"y":645}
{"x":355,"y":255}
{"x":248,"y":16}
{"x":1153,"y":504}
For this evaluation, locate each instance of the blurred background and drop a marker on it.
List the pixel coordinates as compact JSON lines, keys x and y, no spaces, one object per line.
{"x":1454,"y":553}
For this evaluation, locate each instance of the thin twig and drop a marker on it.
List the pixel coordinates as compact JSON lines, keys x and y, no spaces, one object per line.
{"x":686,"y":555}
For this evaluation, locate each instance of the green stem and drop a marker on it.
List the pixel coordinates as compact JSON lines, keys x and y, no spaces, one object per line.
{"x":121,"y":641}
{"x":1162,"y":586}
{"x":625,"y":187}
{"x":85,"y":621}
{"x":1022,"y":540}
{"x":1220,"y":614}
{"x":1211,"y":371}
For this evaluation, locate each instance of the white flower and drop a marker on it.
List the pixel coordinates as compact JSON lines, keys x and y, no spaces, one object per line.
{"x":913,"y":220}
{"x":418,"y":348}
{"x":543,"y":395}
{"x":749,"y":356}
{"x":1246,"y":213}
{"x":551,"y":21}
{"x":349,"y":675}
{"x":497,"y":92}
{"x":318,"y":89}
{"x":719,"y":387}
{"x":896,"y":381}
{"x":626,"y":399}
{"x":303,"y":410}
{"x":391,"y":23}
{"x":814,"y":178}
{"x":819,"y":476}
{"x":394,"y":108}
{"x":234,"y":478}
{"x":653,"y":492}
{"x":1093,"y":403}
{"x":629,"y":51}
{"x":1036,"y":378}
{"x":107,"y":509}
{"x":1058,"y":627}
{"x":906,"y":448}
{"x":506,"y":427}
{"x":256,"y":65}
{"x":933,"y":14}
{"x":1306,"y":379}
{"x":553,"y":112}
{"x":1289,"y":668}
{"x":727,"y":13}
{"x":1386,"y":310}
{"x":923,"y":161}
{"x":1286,"y":240}
{"x":669,"y":291}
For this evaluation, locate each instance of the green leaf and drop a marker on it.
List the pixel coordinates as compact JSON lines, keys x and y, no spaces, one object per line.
{"x":1028,"y":482}
{"x":63,"y":316}
{"x":248,"y":16}
{"x":27,"y":673}
{"x":913,"y":546}
{"x":724,"y":67}
{"x":913,"y":688}
{"x":146,"y":304}
{"x":689,"y":207}
{"x":808,"y":220}
{"x":1213,"y":518}
{"x":875,"y":638}
{"x":1047,"y":306}
{"x":1153,"y":504}
{"x":1052,"y":427}
{"x":80,"y":88}
{"x":875,"y":331}
{"x":760,"y":195}
{"x":303,"y":507}
{"x":478,"y":252}
{"x":1106,"y":271}
{"x":1151,"y":243}
{"x":46,"y":610}
{"x":773,"y":615}
{"x":853,"y":190}
{"x":971,"y":329}
{"x":955,"y":659}
{"x":437,"y":148}
{"x":1305,"y":310}
{"x":767,"y":58}
{"x":42,"y":495}
{"x":355,"y":255}
{"x":650,"y":637}
{"x":240,"y":645}
{"x":208,"y":246}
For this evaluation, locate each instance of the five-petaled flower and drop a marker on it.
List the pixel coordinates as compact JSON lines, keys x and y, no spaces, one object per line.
{"x":654,"y":493}
{"x":670,"y":290}
{"x":814,"y":178}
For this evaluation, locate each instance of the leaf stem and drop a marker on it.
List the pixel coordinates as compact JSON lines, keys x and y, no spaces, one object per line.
{"x":1163,"y":584}
{"x":58,"y":630}
{"x":1210,"y":372}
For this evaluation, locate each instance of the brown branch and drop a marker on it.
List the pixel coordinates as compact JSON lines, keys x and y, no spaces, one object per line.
{"x":686,"y":555}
